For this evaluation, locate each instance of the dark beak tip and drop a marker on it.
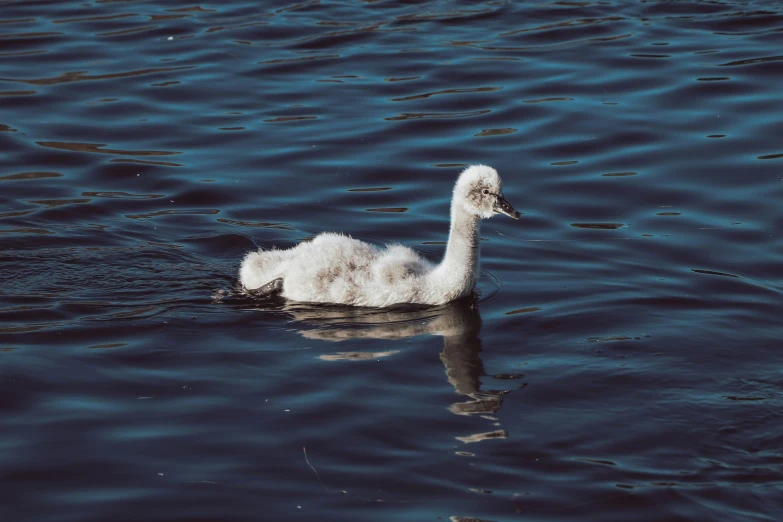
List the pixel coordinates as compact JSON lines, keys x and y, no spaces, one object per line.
{"x":504,"y":207}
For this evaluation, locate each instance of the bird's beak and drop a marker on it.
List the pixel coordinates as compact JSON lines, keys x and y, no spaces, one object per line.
{"x":504,"y":207}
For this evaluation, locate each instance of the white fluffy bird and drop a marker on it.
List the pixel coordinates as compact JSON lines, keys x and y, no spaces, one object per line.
{"x":334,"y":268}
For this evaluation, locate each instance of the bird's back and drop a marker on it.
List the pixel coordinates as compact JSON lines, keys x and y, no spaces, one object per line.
{"x":339,"y":269}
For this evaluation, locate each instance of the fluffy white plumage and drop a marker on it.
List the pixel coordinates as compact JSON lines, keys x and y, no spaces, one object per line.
{"x":334,"y":268}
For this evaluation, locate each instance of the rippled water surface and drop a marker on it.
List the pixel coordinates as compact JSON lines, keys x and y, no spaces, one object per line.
{"x":622,"y":362}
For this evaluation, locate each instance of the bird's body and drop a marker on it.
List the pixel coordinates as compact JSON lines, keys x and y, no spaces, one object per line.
{"x":334,"y":268}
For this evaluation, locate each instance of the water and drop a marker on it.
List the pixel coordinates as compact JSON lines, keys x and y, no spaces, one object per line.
{"x":622,"y":362}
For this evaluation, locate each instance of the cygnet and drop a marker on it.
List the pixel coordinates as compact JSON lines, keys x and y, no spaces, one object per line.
{"x":335,"y":268}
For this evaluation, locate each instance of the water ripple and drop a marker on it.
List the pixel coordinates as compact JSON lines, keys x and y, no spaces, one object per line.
{"x":417,"y":116}
{"x":96,"y":148}
{"x":80,"y":76}
{"x":446,"y":91}
{"x":29,"y":175}
{"x":622,"y":348}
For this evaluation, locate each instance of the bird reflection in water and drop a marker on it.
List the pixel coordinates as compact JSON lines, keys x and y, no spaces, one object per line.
{"x":458,"y":322}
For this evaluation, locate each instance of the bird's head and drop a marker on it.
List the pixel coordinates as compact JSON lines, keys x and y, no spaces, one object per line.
{"x":480,"y":191}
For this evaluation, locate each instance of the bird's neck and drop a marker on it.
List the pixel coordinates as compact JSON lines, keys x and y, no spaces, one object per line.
{"x":458,"y":271}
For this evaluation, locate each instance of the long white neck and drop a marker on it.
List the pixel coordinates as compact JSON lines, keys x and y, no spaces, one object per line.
{"x":457,"y":273}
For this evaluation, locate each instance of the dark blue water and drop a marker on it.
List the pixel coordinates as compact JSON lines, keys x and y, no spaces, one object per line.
{"x":623,"y":361}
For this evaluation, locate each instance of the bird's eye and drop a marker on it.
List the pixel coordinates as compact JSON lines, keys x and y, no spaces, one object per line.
{"x":485,"y":191}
